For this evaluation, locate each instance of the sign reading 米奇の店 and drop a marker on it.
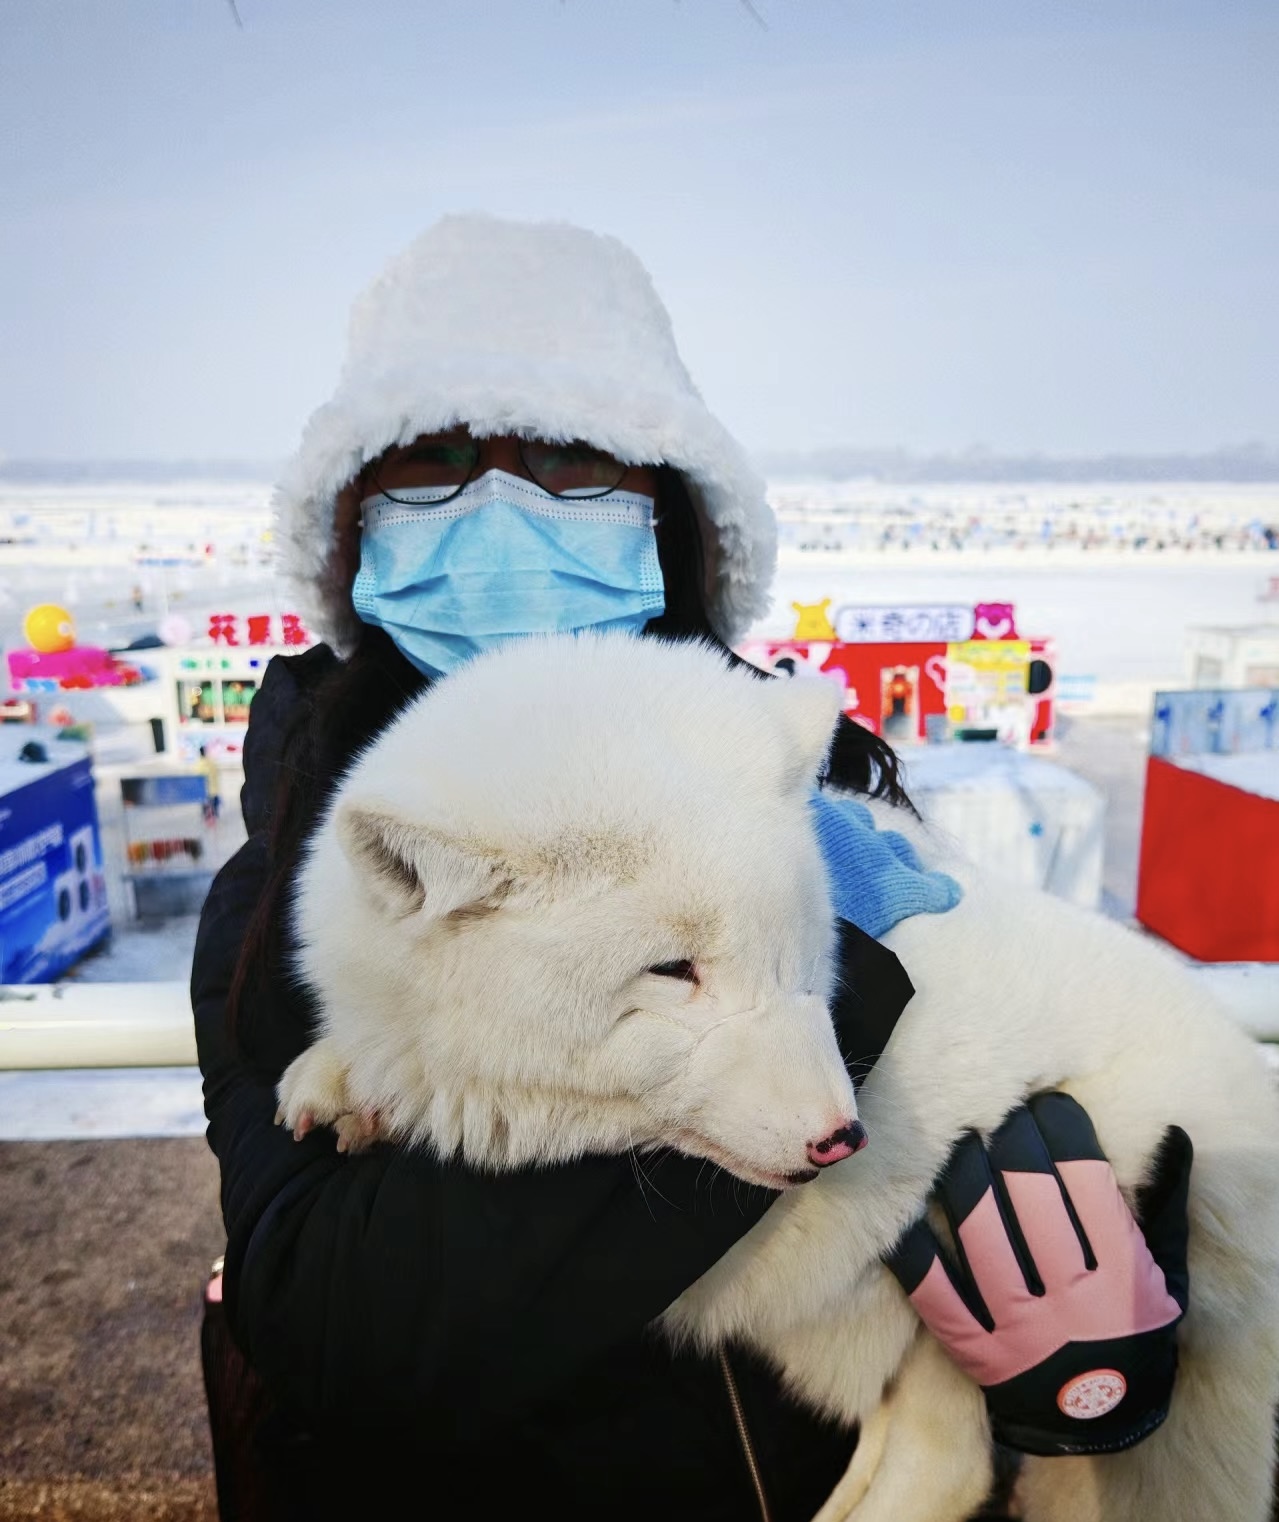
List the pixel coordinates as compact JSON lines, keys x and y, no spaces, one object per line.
{"x":915,"y":623}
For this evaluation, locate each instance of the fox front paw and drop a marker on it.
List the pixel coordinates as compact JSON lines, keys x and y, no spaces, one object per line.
{"x":312,"y":1091}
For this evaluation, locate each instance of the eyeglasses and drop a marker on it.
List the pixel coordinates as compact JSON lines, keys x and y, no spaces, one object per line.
{"x":445,"y":462}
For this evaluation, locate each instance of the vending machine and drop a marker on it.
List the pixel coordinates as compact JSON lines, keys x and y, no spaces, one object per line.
{"x":53,"y":898}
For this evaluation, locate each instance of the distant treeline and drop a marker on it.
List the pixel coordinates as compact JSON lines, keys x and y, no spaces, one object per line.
{"x":1247,"y":462}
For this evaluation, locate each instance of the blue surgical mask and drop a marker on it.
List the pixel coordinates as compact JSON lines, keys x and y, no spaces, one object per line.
{"x":503,"y":558}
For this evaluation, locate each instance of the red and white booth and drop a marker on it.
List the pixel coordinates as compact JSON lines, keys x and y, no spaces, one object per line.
{"x":924,"y":672}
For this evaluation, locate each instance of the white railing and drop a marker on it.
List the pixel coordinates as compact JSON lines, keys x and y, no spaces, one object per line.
{"x":140,"y":1025}
{"x":96,"y":1025}
{"x":112,"y":1060}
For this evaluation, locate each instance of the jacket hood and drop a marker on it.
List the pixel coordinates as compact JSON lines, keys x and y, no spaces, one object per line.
{"x":537,"y":328}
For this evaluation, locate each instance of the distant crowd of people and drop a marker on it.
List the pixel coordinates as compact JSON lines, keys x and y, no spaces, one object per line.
{"x":820,"y":522}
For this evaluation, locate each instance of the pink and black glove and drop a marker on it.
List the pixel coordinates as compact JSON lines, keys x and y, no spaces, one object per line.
{"x":1062,"y":1307}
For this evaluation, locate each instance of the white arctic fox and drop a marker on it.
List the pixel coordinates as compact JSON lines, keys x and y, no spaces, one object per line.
{"x":497,"y":914}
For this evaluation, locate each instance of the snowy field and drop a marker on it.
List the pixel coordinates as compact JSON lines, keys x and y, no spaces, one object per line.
{"x":1113,"y":622}
{"x":123,"y":559}
{"x":1116,"y":574}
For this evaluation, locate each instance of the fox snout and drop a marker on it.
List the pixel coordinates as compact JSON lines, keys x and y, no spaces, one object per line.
{"x":848,"y":1138}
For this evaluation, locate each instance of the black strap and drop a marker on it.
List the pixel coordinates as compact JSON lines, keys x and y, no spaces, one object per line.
{"x":870,"y":995}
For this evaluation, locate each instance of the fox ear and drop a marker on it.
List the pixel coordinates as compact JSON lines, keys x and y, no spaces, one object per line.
{"x":411,"y":869}
{"x":807,"y":708}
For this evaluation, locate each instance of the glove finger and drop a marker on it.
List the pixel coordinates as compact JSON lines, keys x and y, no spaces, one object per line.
{"x":943,"y":1304}
{"x":967,"y":1193}
{"x":1111,"y":1230}
{"x":1042,"y":1224}
{"x":1077,"y":1156}
{"x":1065,"y":1127}
{"x":901,"y":849}
{"x":1162,"y":1211}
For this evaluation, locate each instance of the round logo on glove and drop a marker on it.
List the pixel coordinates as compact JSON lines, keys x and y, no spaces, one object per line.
{"x":1092,"y":1394}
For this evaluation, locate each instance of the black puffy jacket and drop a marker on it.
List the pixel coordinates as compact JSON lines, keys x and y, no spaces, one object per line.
{"x":476,"y":1344}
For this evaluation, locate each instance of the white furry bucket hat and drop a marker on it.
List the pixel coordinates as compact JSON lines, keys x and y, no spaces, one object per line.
{"x":538,"y":328}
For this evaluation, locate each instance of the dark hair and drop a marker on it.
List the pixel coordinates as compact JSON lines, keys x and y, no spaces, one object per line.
{"x":859,"y":760}
{"x":344,"y":711}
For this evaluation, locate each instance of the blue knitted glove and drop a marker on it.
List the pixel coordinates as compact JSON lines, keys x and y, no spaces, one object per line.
{"x":876,"y":877}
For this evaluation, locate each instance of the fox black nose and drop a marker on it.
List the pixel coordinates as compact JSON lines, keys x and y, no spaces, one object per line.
{"x":849,"y":1138}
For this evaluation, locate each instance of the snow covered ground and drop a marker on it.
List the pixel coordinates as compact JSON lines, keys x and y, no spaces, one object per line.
{"x":1119,"y":614}
{"x":1256,"y":773}
{"x":78,"y":1103}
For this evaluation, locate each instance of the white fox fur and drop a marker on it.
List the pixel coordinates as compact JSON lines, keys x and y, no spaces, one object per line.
{"x":478,"y":913}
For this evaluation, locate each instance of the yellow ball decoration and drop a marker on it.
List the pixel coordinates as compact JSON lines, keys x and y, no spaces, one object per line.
{"x":49,"y":629}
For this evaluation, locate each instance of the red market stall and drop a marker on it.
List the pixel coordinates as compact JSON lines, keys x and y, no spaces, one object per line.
{"x":1207,"y":877}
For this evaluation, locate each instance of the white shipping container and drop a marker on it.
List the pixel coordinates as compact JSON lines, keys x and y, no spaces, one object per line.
{"x":1020,"y":816}
{"x":1224,"y":656}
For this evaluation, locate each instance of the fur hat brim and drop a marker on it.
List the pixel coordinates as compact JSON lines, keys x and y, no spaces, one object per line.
{"x":642,"y":408}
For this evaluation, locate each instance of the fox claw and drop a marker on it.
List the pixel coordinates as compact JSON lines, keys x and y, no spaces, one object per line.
{"x":357,"y":1129}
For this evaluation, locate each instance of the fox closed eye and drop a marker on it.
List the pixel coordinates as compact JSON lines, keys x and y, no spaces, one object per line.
{"x":677,"y":969}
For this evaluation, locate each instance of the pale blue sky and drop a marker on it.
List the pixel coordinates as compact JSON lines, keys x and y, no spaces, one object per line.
{"x":1028,"y":224}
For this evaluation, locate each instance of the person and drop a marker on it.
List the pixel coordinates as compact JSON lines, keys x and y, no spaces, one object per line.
{"x":209,"y":770}
{"x":515,"y":446}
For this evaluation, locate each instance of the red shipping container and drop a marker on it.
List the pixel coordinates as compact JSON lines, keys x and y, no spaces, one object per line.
{"x":1208,"y":873}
